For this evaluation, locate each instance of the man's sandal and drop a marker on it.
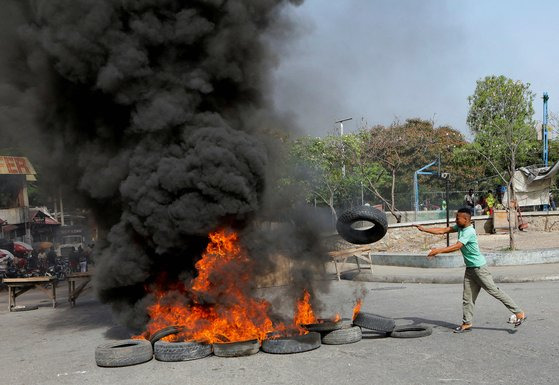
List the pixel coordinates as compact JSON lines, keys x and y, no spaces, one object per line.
{"x":520,"y":317}
{"x":463,"y":328}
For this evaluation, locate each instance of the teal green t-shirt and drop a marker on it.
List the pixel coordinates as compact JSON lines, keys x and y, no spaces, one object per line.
{"x":470,"y":249}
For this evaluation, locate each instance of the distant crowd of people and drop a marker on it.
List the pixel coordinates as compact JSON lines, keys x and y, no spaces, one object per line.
{"x":78,"y":259}
{"x":484,"y":204}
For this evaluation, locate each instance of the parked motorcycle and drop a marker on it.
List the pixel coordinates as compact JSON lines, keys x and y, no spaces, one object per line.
{"x":59,"y":270}
{"x":10,"y":271}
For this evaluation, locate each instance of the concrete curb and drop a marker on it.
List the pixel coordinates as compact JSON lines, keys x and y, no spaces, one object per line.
{"x":513,"y":258}
{"x":441,"y":279}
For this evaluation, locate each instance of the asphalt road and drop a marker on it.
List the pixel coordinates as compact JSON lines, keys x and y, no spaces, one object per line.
{"x":56,"y":346}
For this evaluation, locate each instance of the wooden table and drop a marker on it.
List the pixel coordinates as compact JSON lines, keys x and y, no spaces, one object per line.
{"x":18,"y":286}
{"x":73,"y":292}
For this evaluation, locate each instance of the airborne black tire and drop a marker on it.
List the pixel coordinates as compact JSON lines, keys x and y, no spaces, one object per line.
{"x":362,"y":213}
{"x":180,"y":351}
{"x":411,"y":331}
{"x":295,"y":344}
{"x":123,"y":353}
{"x":374,"y":322}
{"x":236,"y":349}
{"x":164,"y":333}
{"x":348,"y":334}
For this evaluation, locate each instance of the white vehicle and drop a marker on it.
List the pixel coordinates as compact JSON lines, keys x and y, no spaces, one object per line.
{"x":69,"y":242}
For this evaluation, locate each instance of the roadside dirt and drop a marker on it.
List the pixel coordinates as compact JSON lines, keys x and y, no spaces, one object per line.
{"x":524,"y":240}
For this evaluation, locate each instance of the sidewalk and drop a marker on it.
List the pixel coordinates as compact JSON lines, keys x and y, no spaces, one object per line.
{"x":539,"y":246}
{"x":501,"y":274}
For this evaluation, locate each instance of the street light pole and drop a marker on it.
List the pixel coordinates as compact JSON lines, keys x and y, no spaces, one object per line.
{"x":342,"y":134}
{"x":342,"y":125}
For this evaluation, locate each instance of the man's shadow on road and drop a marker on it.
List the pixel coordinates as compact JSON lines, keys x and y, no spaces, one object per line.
{"x":448,"y":325}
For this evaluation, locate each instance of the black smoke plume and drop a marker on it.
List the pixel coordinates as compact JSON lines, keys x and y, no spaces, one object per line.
{"x":155,"y":113}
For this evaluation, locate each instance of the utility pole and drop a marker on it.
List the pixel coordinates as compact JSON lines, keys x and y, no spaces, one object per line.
{"x":61,"y":207}
{"x":544,"y":130}
{"x":447,"y":197}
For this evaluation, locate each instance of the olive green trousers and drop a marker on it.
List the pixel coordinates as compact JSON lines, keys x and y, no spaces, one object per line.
{"x":476,"y":278}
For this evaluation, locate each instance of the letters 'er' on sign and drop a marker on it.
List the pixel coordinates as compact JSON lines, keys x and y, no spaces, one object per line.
{"x":16,"y":165}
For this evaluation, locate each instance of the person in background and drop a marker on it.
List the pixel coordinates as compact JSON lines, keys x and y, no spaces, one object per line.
{"x":478,"y":209}
{"x":73,"y":259}
{"x":33,"y":262}
{"x":82,"y":258}
{"x":552,"y":202}
{"x":469,"y":200}
{"x":490,"y":200}
{"x":42,"y":256}
{"x":482,"y":204}
{"x":51,"y":257}
{"x":89,"y":255}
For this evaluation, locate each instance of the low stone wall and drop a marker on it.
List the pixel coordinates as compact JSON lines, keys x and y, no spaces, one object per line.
{"x":542,"y":222}
{"x":404,"y":238}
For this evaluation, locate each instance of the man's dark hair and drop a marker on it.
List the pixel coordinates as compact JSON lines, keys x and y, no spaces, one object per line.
{"x":465,"y":210}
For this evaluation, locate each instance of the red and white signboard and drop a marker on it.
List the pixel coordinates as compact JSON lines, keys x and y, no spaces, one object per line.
{"x":16,"y":165}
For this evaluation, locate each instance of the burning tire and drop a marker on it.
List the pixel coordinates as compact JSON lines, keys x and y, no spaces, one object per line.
{"x":323,"y":326}
{"x":348,"y":334}
{"x":345,"y":223}
{"x":374,"y":322}
{"x":411,"y":331}
{"x":295,"y":344}
{"x":123,"y":353}
{"x":236,"y":349}
{"x":169,"y":330}
{"x":180,"y":351}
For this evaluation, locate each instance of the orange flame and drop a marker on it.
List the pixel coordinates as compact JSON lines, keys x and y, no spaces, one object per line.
{"x":304,"y":313}
{"x":357,"y":308}
{"x":217,"y":307}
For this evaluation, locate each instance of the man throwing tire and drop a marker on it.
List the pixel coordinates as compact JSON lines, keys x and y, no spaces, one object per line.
{"x":477,"y":275}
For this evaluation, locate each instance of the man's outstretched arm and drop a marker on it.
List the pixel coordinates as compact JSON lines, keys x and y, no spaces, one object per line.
{"x":449,"y":249}
{"x":435,"y":230}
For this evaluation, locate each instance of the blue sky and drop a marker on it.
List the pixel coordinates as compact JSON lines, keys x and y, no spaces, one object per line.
{"x":379,"y":61}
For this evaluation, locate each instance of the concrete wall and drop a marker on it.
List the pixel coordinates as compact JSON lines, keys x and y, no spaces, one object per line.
{"x":13,"y":216}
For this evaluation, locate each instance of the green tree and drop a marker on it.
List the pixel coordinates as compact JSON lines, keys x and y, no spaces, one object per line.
{"x":323,"y":167}
{"x":402,"y":148}
{"x":500,"y":116}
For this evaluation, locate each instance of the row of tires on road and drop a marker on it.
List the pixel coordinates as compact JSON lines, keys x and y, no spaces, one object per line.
{"x":131,"y":352}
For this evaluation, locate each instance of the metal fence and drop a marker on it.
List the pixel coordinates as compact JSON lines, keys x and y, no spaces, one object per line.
{"x":432,"y":204}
